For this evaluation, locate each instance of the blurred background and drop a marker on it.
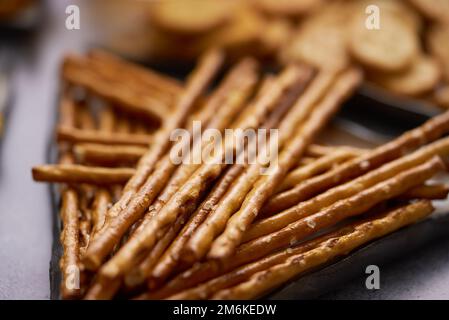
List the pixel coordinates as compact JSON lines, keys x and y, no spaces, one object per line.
{"x":169,"y":35}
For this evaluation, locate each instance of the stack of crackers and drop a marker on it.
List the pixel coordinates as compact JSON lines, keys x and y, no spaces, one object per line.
{"x":401,"y":44}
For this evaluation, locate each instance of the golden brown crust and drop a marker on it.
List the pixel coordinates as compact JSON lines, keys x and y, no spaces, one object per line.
{"x":192,"y":189}
{"x":428,"y":191}
{"x":316,"y":166}
{"x":70,"y":263}
{"x":264,"y":281}
{"x":108,"y":155}
{"x":429,"y":131}
{"x":387,"y":171}
{"x":75,"y":135}
{"x":73,"y":173}
{"x":225,"y":244}
{"x":294,"y":232}
{"x":126,"y":97}
{"x":197,"y":83}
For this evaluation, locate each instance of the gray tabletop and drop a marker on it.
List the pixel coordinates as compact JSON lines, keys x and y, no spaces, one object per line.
{"x":25,"y":212}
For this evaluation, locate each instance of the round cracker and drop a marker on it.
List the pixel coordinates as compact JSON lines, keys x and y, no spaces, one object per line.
{"x":190,"y":17}
{"x":437,"y":10}
{"x":289,"y":8}
{"x":397,"y":8}
{"x":320,"y":41}
{"x":391,"y":48}
{"x":441,"y":96}
{"x":438,"y":44}
{"x":422,"y":76}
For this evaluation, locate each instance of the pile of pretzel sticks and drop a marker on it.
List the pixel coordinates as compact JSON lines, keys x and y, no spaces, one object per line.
{"x":137,"y":225}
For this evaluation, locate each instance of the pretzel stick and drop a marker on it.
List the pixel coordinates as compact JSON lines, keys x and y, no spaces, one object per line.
{"x":72,"y":173}
{"x":316,"y":167}
{"x":69,"y":262}
{"x":76,"y":70}
{"x":108,"y":154}
{"x":431,"y":192}
{"x":166,"y":265}
{"x":171,"y":256}
{"x":429,"y":131}
{"x":282,"y":219}
{"x":203,"y":237}
{"x":143,"y":75}
{"x":265,"y":281}
{"x":300,"y":229}
{"x":226,"y":243}
{"x":317,"y":150}
{"x":348,"y":207}
{"x":243,"y":273}
{"x":129,"y":212}
{"x":102,"y":291}
{"x":104,"y":154}
{"x":231,"y":95}
{"x":100,"y":208}
{"x":108,"y":72}
{"x":137,"y":276}
{"x":198,"y":81}
{"x":103,"y":197}
{"x":125,"y":258}
{"x":75,"y":135}
{"x":85,"y":122}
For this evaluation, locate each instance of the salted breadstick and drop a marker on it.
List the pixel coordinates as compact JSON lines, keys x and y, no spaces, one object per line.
{"x":199,"y":80}
{"x":429,"y":131}
{"x":169,"y":260}
{"x":316,"y":167}
{"x":240,"y":274}
{"x":103,"y":198}
{"x":143,"y":75}
{"x":431,"y":192}
{"x":297,"y":231}
{"x":125,"y":257}
{"x":75,"y":135}
{"x":100,"y":208}
{"x":70,"y":263}
{"x":101,"y":154}
{"x":389,"y":170}
{"x":77,"y":71}
{"x":231,"y":237}
{"x":264,"y":281}
{"x":171,"y":256}
{"x":348,"y":207}
{"x":72,"y":173}
{"x":102,"y":291}
{"x":138,"y":275}
{"x":111,"y":154}
{"x":201,"y":240}
{"x":196,"y":85}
